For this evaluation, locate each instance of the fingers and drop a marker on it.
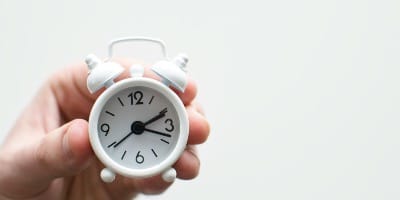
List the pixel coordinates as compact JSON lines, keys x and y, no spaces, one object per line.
{"x":74,"y":99}
{"x":188,"y":165}
{"x":199,"y":127}
{"x":152,"y":185}
{"x":69,"y":88}
{"x":70,"y":145}
{"x":189,"y":94}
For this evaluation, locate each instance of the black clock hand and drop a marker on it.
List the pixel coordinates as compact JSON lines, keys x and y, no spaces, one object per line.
{"x":138,"y":127}
{"x":157,"y":117}
{"x":157,"y":132}
{"x":129,"y":134}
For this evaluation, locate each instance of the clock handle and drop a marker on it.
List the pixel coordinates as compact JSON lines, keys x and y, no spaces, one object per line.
{"x":133,"y":39}
{"x":169,"y":175}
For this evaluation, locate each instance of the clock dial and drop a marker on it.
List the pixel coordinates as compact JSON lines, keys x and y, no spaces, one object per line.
{"x":138,"y":127}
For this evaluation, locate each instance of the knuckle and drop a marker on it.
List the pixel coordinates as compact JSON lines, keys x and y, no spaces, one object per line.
{"x":41,"y":154}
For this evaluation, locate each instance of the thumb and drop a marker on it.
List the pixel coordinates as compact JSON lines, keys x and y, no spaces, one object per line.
{"x":64,"y":151}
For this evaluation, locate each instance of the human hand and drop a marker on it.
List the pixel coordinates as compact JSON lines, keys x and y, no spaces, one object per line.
{"x":47,"y":154}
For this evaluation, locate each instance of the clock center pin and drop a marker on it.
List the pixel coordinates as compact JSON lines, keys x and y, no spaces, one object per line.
{"x":137,"y":127}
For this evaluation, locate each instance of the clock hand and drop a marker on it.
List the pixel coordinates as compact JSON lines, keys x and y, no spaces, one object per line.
{"x":157,"y":132}
{"x":138,"y":127}
{"x":157,"y":117}
{"x":123,"y":139}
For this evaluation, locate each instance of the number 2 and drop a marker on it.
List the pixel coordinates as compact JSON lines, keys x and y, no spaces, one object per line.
{"x":138,"y":96}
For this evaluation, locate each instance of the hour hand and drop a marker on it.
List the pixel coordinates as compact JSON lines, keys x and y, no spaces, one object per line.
{"x":157,"y":117}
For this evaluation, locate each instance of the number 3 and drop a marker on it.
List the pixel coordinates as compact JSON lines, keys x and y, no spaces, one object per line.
{"x":170,"y":123}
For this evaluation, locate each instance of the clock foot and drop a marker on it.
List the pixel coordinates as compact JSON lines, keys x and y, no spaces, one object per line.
{"x":107,"y":175}
{"x":169,"y":175}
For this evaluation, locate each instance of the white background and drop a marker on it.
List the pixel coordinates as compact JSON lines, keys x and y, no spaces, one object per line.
{"x":303,"y":96}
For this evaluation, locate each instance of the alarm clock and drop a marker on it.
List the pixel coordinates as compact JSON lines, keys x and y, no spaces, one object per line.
{"x":138,"y":127}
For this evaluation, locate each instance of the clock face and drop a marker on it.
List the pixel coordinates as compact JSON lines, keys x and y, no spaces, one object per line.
{"x":138,"y":127}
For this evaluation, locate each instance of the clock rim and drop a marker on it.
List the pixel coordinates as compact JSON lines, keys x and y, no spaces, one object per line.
{"x":94,"y":135}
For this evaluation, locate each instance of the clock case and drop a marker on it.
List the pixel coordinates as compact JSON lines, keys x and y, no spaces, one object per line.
{"x":102,"y":74}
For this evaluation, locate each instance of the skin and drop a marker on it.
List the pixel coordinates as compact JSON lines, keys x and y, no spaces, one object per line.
{"x":47,"y":154}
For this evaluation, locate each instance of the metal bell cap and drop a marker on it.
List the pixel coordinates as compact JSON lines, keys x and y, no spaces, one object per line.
{"x":171,"y":74}
{"x":101,"y":73}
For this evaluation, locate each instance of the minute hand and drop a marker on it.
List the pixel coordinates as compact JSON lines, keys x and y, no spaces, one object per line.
{"x":157,"y":117}
{"x":157,"y":132}
{"x":119,"y":142}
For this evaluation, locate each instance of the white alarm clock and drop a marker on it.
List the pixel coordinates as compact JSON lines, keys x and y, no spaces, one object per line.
{"x":138,"y":127}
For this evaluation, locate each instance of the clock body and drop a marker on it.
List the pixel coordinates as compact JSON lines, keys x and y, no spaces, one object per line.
{"x":138,"y":127}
